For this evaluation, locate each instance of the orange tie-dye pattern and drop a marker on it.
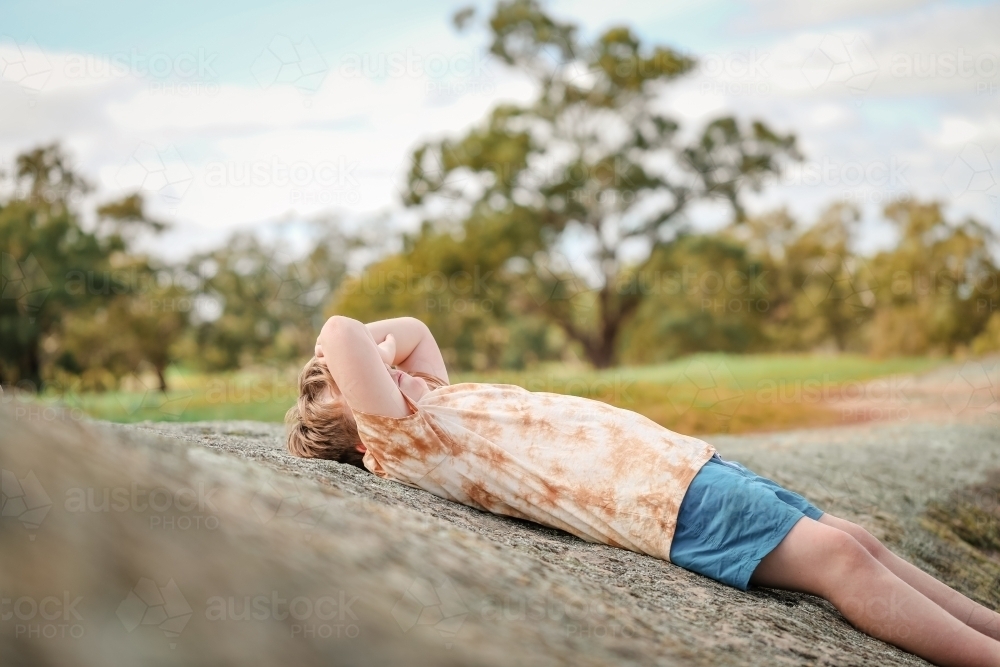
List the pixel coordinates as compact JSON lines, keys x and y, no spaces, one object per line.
{"x":599,"y":472}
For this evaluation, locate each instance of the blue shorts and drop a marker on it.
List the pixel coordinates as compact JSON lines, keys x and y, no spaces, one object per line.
{"x":730,"y":519}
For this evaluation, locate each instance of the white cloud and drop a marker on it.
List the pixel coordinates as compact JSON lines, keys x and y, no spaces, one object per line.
{"x":343,"y":147}
{"x":790,"y":14}
{"x":941,"y":49}
{"x":350,"y":135}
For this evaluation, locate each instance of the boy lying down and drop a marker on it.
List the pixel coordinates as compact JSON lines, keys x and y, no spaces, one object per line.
{"x":377,"y":395}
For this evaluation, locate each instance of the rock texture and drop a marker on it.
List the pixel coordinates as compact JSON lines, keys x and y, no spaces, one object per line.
{"x":216,"y":546}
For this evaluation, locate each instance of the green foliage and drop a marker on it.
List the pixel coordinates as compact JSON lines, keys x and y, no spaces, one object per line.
{"x":592,"y":156}
{"x":82,"y":311}
{"x":699,"y":293}
{"x":819,"y":291}
{"x":988,"y":339}
{"x":128,"y":328}
{"x":458,"y":282}
{"x":66,"y":289}
{"x":769,"y":284}
{"x":255,"y":304}
{"x":938,"y":289}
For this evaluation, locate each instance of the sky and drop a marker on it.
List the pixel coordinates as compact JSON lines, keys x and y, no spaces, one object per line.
{"x":259,"y":115}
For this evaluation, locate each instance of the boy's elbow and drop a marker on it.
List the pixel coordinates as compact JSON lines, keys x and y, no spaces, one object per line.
{"x":418,"y":324}
{"x":338,"y":326}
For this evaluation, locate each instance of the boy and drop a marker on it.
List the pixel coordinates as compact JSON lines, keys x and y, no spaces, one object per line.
{"x":377,"y":395}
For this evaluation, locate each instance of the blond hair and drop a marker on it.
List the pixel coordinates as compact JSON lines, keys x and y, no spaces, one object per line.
{"x":318,"y":428}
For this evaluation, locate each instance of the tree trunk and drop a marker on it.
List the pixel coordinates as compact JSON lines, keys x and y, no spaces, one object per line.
{"x":600,"y":348}
{"x":30,"y":366}
{"x":602,"y":353}
{"x":162,"y":378}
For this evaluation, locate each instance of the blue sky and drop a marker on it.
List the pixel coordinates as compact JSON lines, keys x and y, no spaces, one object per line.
{"x":235,"y":26}
{"x":232,"y":29}
{"x":937,"y":131}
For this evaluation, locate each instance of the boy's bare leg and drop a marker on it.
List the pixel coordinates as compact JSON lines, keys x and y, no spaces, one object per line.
{"x":971,"y":613}
{"x":825,"y":561}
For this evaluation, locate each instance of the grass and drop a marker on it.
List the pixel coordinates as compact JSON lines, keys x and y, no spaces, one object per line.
{"x":722,"y":393}
{"x":704,"y":393}
{"x":255,"y":394}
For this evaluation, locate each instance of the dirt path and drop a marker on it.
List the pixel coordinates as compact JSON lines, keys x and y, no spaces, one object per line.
{"x":963,"y":392}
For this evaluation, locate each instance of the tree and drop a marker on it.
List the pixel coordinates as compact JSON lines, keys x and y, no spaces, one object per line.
{"x":41,"y":238}
{"x":459,"y":284}
{"x":699,"y":293}
{"x":254,"y":303}
{"x":938,"y":287}
{"x":934,"y":291}
{"x":593,"y":157}
{"x":49,"y":176}
{"x":77,"y":302}
{"x":129,"y":311}
{"x":829,"y":287}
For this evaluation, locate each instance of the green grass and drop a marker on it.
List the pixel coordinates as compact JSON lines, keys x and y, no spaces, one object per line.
{"x":260,"y":395}
{"x":702,"y":393}
{"x":746,"y":370}
{"x":723,"y":393}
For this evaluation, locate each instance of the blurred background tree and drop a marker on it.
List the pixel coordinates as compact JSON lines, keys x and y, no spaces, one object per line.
{"x":460,"y":283}
{"x":697,"y":293}
{"x":82,"y":309}
{"x":254,"y":304}
{"x":938,"y":288}
{"x":76,"y":302}
{"x":592,"y":161}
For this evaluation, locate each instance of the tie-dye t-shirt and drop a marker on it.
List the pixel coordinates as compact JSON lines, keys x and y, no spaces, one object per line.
{"x":599,"y":472}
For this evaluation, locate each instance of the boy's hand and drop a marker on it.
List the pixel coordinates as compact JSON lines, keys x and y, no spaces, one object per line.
{"x":387,"y":349}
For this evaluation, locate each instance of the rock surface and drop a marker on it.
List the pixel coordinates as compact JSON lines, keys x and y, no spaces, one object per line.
{"x":216,"y":546}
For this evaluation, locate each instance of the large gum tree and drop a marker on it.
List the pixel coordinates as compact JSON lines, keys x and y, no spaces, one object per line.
{"x":595,"y":161}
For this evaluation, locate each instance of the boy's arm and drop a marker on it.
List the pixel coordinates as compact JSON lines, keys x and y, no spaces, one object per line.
{"x":416,"y":349}
{"x":357,"y":366}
